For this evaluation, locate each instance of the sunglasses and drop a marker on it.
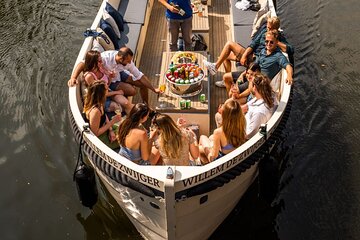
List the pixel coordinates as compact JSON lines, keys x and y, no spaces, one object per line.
{"x":269,"y":42}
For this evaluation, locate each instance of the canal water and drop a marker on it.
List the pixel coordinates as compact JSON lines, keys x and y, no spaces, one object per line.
{"x":318,"y":196}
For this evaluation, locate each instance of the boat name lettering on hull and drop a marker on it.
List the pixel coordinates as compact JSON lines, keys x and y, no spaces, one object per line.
{"x":128,"y":171}
{"x":223,"y":167}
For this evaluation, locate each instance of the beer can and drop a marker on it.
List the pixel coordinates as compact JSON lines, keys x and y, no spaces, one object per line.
{"x":182,"y":104}
{"x":188,"y":104}
{"x":202,"y":98}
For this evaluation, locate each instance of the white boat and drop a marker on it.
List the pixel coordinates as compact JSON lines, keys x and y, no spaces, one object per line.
{"x":176,"y":202}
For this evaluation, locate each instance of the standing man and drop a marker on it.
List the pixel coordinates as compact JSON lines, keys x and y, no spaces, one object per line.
{"x":179,"y":15}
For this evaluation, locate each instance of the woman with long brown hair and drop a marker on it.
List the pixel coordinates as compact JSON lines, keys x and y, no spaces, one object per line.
{"x":260,"y":109}
{"x":245,"y":95}
{"x":132,"y":136}
{"x":227,"y":137}
{"x":93,"y":113}
{"x":174,"y":142}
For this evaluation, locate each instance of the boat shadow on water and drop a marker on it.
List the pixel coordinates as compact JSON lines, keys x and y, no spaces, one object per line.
{"x":106,"y":220}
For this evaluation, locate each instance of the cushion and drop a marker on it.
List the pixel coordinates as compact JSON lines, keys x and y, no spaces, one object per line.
{"x":97,"y":46}
{"x":262,"y":20}
{"x":275,"y":82}
{"x":241,"y":35}
{"x":104,"y":40}
{"x":116,"y":16}
{"x":110,"y":20}
{"x":133,"y":11}
{"x":130,"y":36}
{"x":263,"y":4}
{"x":263,"y":9}
{"x":241,"y":17}
{"x":110,"y":32}
{"x":114,"y":3}
{"x":83,"y":87}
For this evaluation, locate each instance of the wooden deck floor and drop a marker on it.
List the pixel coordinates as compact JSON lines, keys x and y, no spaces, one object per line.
{"x":156,"y":44}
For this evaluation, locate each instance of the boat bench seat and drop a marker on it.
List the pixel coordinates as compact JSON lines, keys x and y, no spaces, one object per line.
{"x":136,"y":16}
{"x":242,"y":23}
{"x":133,"y":11}
{"x":130,"y":35}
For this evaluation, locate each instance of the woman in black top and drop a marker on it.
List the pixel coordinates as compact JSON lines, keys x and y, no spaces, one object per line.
{"x":93,"y":112}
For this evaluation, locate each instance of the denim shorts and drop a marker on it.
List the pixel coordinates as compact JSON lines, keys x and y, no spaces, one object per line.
{"x":123,"y":76}
{"x":107,"y":104}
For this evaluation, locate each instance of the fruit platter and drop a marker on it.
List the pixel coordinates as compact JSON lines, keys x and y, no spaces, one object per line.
{"x":184,"y":76}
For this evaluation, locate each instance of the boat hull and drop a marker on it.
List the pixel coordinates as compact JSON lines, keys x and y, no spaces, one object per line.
{"x":195,"y":219}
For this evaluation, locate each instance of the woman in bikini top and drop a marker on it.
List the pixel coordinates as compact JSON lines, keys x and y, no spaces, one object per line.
{"x":226,"y":138}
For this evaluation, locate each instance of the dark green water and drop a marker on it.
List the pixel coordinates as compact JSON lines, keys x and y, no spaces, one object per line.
{"x":319,"y":192}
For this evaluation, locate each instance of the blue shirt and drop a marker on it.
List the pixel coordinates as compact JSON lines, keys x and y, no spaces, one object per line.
{"x":271,"y":64}
{"x":183,"y":4}
{"x":258,"y":42}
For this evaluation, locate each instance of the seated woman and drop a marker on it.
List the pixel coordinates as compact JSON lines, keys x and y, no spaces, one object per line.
{"x":132,"y":136}
{"x":226,"y":138}
{"x":93,"y":113}
{"x":260,"y":109}
{"x":93,"y":71}
{"x":174,"y":143}
{"x":241,"y":92}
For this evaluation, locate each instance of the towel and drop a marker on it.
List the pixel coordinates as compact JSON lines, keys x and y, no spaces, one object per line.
{"x":242,"y":5}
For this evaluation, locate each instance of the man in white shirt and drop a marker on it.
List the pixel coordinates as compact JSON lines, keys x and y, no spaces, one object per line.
{"x":118,"y":65}
{"x":260,"y":109}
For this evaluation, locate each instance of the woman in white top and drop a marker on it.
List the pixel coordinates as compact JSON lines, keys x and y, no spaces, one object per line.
{"x":260,"y":109}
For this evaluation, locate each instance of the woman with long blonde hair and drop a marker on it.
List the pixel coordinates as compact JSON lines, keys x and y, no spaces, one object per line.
{"x":174,"y":142}
{"x":227,"y":137}
{"x":93,"y":113}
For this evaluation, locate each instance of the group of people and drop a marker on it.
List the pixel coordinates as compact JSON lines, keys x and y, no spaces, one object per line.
{"x":111,"y":77}
{"x":167,"y":142}
{"x":251,"y":89}
{"x":171,"y":143}
{"x":265,"y":49}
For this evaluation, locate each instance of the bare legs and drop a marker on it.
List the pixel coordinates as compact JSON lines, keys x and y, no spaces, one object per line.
{"x":232,"y":51}
{"x":228,"y":80}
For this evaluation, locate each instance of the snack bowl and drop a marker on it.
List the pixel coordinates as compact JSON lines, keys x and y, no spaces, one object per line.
{"x":192,"y":88}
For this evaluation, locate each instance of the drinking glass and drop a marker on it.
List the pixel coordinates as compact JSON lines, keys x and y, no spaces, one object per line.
{"x":162,"y":88}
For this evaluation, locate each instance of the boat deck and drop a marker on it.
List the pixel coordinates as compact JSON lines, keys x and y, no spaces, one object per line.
{"x":156,"y":44}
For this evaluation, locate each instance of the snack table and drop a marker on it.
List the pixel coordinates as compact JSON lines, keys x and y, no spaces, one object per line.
{"x":169,"y":103}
